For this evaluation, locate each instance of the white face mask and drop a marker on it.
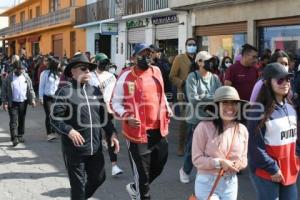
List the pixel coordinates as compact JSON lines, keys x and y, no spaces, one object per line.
{"x":112,"y":70}
{"x":228,"y":64}
{"x":191,"y":49}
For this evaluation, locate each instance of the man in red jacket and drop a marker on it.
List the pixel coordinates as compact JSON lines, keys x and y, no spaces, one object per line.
{"x":139,"y":100}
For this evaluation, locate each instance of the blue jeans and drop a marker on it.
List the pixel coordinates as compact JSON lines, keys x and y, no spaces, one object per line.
{"x":268,"y":190}
{"x":227,"y":188}
{"x":187,"y":159}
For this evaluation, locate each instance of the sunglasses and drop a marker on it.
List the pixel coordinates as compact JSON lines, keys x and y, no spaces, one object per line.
{"x":84,"y":68}
{"x":281,"y":80}
{"x":227,"y":62}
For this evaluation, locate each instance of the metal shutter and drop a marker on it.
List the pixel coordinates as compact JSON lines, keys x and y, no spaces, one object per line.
{"x":221,"y":29}
{"x":166,"y":31}
{"x":136,"y":35}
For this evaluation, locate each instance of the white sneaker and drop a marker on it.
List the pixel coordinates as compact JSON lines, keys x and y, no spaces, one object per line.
{"x":131,"y":191}
{"x":116,"y":170}
{"x":184,"y":178}
{"x":51,"y":136}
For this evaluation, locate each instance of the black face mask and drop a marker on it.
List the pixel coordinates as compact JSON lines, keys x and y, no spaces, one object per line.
{"x":143,"y":62}
{"x":102,"y":65}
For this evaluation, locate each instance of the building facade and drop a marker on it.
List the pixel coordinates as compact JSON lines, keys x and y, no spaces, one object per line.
{"x":43,"y":26}
{"x":221,"y":27}
{"x":115,"y":26}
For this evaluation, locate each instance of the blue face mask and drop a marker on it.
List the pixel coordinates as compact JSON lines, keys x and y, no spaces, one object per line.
{"x":191,"y":49}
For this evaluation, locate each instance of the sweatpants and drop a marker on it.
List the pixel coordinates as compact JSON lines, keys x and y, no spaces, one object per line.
{"x":86,"y":174}
{"x":147,"y":161}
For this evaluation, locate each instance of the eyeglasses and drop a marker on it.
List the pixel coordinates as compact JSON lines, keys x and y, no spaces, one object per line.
{"x":281,"y":80}
{"x":191,"y":45}
{"x":227,"y":62}
{"x":84,"y":68}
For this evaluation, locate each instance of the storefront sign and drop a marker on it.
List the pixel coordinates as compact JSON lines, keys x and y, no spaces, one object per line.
{"x":137,"y":23}
{"x":109,"y":29}
{"x":164,"y":20}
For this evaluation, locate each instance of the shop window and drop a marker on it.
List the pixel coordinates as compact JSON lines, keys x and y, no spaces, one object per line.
{"x":222,"y":45}
{"x":286,"y":38}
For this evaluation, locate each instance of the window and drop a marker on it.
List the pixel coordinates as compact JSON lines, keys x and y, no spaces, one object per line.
{"x":12,"y":20}
{"x":37,"y":11}
{"x":286,"y":38}
{"x":223,"y":45}
{"x":30,"y":14}
{"x":22,"y":16}
{"x":54,"y":5}
{"x":72,"y":2}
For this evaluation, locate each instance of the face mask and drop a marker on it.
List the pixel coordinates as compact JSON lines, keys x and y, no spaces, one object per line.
{"x":228,"y":64}
{"x":18,"y":73}
{"x":191,"y":49}
{"x":143,"y":62}
{"x":112,"y":70}
{"x":286,"y":68}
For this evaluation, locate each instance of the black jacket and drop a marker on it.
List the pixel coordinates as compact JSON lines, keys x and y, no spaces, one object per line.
{"x":82,"y":108}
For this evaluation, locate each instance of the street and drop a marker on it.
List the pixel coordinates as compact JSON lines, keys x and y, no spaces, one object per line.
{"x":35,"y":170}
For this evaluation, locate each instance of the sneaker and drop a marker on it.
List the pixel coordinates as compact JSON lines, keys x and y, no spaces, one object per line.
{"x":15,"y":141}
{"x":184,"y":178}
{"x":116,"y":170}
{"x":131,"y":191}
{"x":51,"y":136}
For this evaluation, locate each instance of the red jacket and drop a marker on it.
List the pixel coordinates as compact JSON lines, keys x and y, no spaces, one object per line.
{"x":126,"y":101}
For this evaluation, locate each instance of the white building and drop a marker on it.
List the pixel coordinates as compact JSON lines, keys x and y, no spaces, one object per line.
{"x":119,"y":25}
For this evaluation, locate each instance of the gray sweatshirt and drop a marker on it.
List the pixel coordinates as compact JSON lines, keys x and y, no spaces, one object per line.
{"x":199,"y":90}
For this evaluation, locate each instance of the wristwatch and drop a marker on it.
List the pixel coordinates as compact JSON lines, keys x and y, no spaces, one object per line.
{"x":217,"y":164}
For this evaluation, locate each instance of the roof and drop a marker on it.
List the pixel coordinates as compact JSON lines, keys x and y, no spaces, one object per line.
{"x":20,"y":6}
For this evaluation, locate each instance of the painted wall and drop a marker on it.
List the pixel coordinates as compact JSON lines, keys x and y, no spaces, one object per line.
{"x":120,"y":57}
{"x":90,"y":38}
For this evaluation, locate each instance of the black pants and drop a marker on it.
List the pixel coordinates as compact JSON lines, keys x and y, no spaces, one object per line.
{"x":147,"y":161}
{"x":112,"y":156}
{"x":86,"y":174}
{"x":17,"y":113}
{"x":47,"y":102}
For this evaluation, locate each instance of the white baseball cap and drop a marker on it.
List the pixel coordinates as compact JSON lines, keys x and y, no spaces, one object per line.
{"x":203,"y":55}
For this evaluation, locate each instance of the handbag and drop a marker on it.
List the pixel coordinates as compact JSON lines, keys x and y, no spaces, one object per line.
{"x":220,"y":173}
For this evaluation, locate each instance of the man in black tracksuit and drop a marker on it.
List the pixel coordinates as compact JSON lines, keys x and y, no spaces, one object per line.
{"x":78,"y":114}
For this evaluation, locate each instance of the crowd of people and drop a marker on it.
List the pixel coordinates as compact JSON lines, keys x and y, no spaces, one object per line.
{"x":233,"y":113}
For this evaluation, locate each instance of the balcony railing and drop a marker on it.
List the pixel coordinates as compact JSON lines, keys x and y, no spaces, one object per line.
{"x":100,"y":10}
{"x":140,"y":6}
{"x":106,"y":9}
{"x":53,"y":18}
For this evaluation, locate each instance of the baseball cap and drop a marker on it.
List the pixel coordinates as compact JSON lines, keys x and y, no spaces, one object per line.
{"x":140,"y":47}
{"x":101,"y":57}
{"x":203,"y":55}
{"x":275,"y":70}
{"x":155,"y":48}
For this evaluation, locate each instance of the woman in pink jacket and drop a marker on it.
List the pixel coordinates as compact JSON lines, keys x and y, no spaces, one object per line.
{"x":220,"y":143}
